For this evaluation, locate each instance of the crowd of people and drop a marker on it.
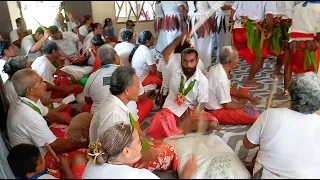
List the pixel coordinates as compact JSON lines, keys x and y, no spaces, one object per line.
{"x":128,"y":79}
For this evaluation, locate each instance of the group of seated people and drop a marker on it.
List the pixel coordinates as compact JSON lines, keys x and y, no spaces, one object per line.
{"x":118,"y":95}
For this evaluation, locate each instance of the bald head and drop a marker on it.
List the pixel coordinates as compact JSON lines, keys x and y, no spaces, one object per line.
{"x":228,"y":54}
{"x":22,"y":80}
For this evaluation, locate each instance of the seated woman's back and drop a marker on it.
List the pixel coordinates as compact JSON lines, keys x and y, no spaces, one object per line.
{"x":288,"y":143}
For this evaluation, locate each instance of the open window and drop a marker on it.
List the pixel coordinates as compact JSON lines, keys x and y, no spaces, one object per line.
{"x":134,"y":10}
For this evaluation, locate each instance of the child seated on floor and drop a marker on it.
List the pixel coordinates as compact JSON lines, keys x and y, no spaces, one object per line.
{"x":26,"y":162}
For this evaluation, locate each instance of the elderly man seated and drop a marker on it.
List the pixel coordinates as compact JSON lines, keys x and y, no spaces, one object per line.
{"x":43,"y":66}
{"x":97,"y":88}
{"x":287,"y":137}
{"x":221,"y":92}
{"x":25,"y":123}
{"x":68,"y":43}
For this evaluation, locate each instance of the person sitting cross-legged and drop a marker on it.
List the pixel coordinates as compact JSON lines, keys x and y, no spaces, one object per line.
{"x":44,"y":67}
{"x":26,"y":123}
{"x":221,"y":92}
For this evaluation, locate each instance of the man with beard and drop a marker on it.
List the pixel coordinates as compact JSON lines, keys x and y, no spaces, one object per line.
{"x":188,"y":92}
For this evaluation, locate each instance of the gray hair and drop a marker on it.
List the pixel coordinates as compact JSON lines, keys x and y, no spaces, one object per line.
{"x":305,"y":93}
{"x":22,"y":80}
{"x":14,"y":64}
{"x":227,"y":54}
{"x":121,"y":78}
{"x":106,"y":54}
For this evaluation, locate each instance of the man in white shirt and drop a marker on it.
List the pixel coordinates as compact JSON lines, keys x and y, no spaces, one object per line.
{"x":31,"y":44}
{"x":16,"y":35}
{"x":221,"y":91}
{"x":304,"y":37}
{"x":125,"y":87}
{"x":68,"y":45}
{"x":188,"y":92}
{"x":250,"y":48}
{"x":43,"y":66}
{"x":97,"y":88}
{"x":287,"y":138}
{"x":124,"y":48}
{"x":170,"y":62}
{"x":25,"y":122}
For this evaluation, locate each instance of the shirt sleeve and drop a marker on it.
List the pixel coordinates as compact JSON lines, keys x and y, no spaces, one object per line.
{"x":203,"y":95}
{"x":235,"y":5}
{"x":271,"y":7}
{"x":26,"y":44}
{"x":46,"y":71}
{"x":223,"y":92}
{"x":83,"y":31}
{"x":74,"y":37}
{"x":14,"y":35}
{"x":255,"y":132}
{"x":40,"y":133}
{"x":149,"y":58}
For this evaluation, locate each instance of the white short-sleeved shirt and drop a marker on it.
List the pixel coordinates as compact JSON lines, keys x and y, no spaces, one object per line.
{"x":44,"y":68}
{"x":13,"y":37}
{"x":83,"y":30}
{"x":120,"y":32}
{"x":4,"y":76}
{"x":219,"y":88}
{"x":70,"y":25}
{"x":123,"y":50}
{"x":198,"y":94}
{"x":171,"y":7}
{"x":113,"y":111}
{"x":68,"y":44}
{"x":110,"y":171}
{"x":255,"y":10}
{"x":288,"y":143}
{"x":25,"y":125}
{"x":203,"y":7}
{"x":285,"y":9}
{"x":141,"y":60}
{"x":11,"y":93}
{"x":305,"y":20}
{"x":26,"y":44}
{"x":169,"y":68}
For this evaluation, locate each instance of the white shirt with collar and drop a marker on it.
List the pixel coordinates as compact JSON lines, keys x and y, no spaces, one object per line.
{"x":70,"y":26}
{"x":198,"y":94}
{"x":98,"y":89}
{"x":169,"y":68}
{"x":255,"y":10}
{"x":26,"y":44}
{"x":110,"y":112}
{"x":123,"y":50}
{"x":25,"y":125}
{"x":219,"y":88}
{"x":305,"y":20}
{"x":141,"y":60}
{"x":68,"y":44}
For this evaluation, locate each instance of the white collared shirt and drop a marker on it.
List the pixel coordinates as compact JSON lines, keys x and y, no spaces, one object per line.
{"x":198,"y":94}
{"x":141,"y":60}
{"x":26,"y":44}
{"x":44,"y":68}
{"x":25,"y":125}
{"x":169,"y":68}
{"x":68,"y":44}
{"x":255,"y":10}
{"x":98,"y":89}
{"x":110,"y":112}
{"x":70,"y":25}
{"x":219,"y":88}
{"x":11,"y":93}
{"x":305,"y":20}
{"x":123,"y":50}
